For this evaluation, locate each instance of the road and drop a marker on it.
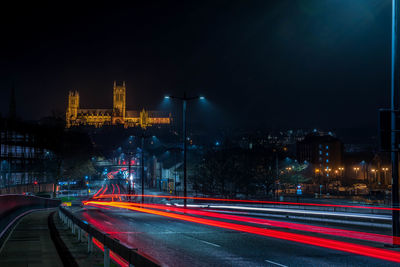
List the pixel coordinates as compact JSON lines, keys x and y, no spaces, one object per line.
{"x":175,"y":242}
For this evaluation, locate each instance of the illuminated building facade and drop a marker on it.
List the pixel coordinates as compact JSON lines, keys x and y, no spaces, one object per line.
{"x":118,"y":115}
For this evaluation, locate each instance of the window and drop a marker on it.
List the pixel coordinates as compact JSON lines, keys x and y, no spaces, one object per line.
{"x":327,"y":154}
{"x":320,"y":152}
{"x":327,"y":147}
{"x":327,"y":161}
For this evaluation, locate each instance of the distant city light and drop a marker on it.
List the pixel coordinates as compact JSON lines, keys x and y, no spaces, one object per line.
{"x":202,"y":97}
{"x":166,"y":97}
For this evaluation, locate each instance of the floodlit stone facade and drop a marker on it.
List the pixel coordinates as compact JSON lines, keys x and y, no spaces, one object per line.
{"x":118,"y":115}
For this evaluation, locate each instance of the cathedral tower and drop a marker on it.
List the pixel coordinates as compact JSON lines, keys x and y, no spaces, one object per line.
{"x":72,"y":109}
{"x":119,"y":101}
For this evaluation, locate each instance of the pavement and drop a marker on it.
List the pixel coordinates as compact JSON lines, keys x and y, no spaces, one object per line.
{"x":30,"y":244}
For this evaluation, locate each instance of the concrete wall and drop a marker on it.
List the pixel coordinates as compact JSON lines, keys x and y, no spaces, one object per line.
{"x":11,"y":203}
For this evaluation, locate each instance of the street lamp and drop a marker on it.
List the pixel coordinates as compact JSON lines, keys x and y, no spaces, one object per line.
{"x":375,"y":171}
{"x":143,"y":136}
{"x":394,"y":107}
{"x":184,"y":99}
{"x":341,"y":169}
{"x":356,"y":169}
{"x":384,"y":171}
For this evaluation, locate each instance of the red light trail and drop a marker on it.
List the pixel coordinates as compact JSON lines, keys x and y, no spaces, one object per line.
{"x":98,"y":191}
{"x":113,"y":255}
{"x":260,"y":202}
{"x":299,"y":238}
{"x":102,"y":193}
{"x":385,"y":239}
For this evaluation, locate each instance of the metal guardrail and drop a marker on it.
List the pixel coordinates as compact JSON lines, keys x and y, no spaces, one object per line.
{"x":131,"y":255}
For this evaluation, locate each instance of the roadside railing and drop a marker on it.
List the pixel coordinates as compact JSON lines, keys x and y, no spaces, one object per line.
{"x":129,"y":254}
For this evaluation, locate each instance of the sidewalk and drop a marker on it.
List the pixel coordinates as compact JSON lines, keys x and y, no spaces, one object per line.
{"x":30,"y":243}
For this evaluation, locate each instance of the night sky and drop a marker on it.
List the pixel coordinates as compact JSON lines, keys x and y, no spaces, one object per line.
{"x":261,"y":64}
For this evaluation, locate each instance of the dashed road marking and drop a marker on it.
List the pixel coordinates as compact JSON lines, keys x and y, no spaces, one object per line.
{"x":212,"y":244}
{"x":275,"y":263}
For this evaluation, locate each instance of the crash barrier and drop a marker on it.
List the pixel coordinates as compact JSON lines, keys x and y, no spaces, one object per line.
{"x":129,"y":254}
{"x":13,"y":207}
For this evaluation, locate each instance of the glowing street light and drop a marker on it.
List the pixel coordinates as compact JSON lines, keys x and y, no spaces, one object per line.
{"x":184,"y":99}
{"x":356,"y":169}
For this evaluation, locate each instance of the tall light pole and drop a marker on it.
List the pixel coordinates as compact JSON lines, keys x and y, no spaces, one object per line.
{"x":184,"y":99}
{"x":142,"y":165}
{"x":143,"y":136}
{"x":384,"y":173}
{"x":129,"y":168}
{"x":356,"y":169}
{"x":394,"y":111}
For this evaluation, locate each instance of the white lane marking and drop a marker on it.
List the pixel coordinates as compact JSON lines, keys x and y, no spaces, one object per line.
{"x":108,"y":223}
{"x":212,"y":244}
{"x":277,"y":264}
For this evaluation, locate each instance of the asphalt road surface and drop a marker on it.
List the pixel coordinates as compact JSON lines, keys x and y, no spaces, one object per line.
{"x":175,"y":242}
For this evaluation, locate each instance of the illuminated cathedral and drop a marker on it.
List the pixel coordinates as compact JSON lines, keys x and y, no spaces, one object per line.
{"x":118,"y":115}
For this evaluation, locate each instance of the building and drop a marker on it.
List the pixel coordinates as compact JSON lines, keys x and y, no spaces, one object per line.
{"x":118,"y":115}
{"x":322,"y":150}
{"x":24,"y":158}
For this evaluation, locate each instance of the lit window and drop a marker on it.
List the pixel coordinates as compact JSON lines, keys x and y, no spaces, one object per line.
{"x":327,"y":154}
{"x":320,"y":152}
{"x":327,"y":147}
{"x":327,"y":161}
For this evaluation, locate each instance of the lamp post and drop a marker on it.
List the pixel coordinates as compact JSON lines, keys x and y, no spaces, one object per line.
{"x":356,"y":169}
{"x":384,"y":173}
{"x":143,"y":136}
{"x":394,"y":107}
{"x":341,"y":169}
{"x":184,"y":99}
{"x":142,"y":166}
{"x":375,"y":173}
{"x":129,"y":168}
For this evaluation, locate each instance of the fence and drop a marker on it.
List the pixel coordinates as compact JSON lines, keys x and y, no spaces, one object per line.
{"x":34,"y":188}
{"x":129,"y":254}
